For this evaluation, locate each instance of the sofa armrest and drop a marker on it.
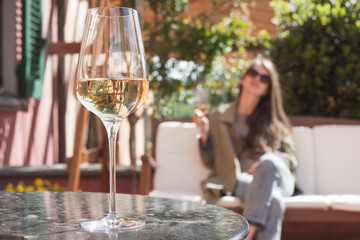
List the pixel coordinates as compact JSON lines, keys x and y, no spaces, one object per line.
{"x":147,"y":174}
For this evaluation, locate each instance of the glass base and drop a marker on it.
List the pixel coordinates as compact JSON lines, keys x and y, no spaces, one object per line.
{"x":112,"y":223}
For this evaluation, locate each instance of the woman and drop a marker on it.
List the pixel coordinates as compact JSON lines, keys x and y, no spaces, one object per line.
{"x":248,"y":145}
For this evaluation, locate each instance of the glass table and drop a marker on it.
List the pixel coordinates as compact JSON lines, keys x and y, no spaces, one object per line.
{"x":57,"y":215}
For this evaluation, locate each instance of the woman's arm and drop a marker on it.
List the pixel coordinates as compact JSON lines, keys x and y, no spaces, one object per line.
{"x":205,"y":144}
{"x":206,"y":152}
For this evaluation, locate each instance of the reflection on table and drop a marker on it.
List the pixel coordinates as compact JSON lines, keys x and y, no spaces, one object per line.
{"x":57,"y":215}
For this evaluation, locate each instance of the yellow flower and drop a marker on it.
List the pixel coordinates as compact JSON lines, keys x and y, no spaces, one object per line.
{"x":40,"y":185}
{"x":9,"y":187}
{"x":20,"y":187}
{"x":39,"y":182}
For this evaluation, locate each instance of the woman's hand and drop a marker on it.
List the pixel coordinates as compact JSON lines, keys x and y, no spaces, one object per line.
{"x":202,"y":123}
{"x":252,"y":168}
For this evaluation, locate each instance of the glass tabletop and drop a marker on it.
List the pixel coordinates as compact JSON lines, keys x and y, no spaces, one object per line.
{"x":57,"y":215}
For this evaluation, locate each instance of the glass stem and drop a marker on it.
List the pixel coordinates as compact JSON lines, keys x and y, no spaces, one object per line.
{"x":112,"y":129}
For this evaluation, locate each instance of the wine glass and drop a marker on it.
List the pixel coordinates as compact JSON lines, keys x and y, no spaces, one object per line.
{"x":112,"y":82}
{"x":201,"y":108}
{"x":201,"y":100}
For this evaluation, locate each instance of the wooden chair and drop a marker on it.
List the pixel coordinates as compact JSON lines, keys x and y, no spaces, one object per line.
{"x":81,"y":153}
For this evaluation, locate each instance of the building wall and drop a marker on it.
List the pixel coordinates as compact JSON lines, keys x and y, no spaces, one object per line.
{"x":30,"y":136}
{"x":260,"y":15}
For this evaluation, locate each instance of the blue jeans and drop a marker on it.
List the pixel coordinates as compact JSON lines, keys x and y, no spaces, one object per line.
{"x":262,"y":194}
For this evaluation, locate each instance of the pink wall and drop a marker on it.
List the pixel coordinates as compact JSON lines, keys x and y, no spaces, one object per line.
{"x":30,"y":137}
{"x":27,"y":137}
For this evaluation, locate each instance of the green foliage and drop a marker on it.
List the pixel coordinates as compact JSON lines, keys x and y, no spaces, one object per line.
{"x":223,"y":79}
{"x":318,"y":56}
{"x":183,"y":49}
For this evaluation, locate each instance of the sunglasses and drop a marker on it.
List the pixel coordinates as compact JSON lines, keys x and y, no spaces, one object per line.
{"x":263,"y":77}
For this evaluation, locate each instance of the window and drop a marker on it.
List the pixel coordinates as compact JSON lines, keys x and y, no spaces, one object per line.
{"x":7,"y":50}
{"x":9,"y":97}
{"x":21,"y":52}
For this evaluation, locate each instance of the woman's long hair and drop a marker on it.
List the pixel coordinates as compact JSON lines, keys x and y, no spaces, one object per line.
{"x":268,"y":123}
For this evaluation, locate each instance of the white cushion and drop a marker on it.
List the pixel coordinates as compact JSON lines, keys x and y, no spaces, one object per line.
{"x":345,"y":202}
{"x":337,"y":159}
{"x":305,"y":173}
{"x":308,"y":201}
{"x":179,"y":164}
{"x":229,"y":202}
{"x":176,"y":195}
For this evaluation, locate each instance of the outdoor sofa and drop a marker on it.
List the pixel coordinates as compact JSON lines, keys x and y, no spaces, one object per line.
{"x":328,"y":174}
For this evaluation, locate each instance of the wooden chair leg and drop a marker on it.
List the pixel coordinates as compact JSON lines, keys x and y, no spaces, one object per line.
{"x":146,"y":174}
{"x":80,"y":133}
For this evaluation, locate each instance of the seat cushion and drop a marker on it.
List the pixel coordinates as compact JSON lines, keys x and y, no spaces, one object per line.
{"x":305,"y":173}
{"x":308,"y":202}
{"x":229,"y":202}
{"x":176,"y":195}
{"x":345,"y":202}
{"x":179,"y":166}
{"x":337,"y":159}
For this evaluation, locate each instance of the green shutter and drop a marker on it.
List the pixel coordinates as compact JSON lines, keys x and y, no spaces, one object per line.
{"x":31,"y":67}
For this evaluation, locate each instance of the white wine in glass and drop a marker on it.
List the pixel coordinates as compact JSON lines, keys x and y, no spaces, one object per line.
{"x":201,"y":100}
{"x":112,"y":82}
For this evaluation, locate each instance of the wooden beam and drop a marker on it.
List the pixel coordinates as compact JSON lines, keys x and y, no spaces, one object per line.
{"x":62,"y":48}
{"x":80,"y":134}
